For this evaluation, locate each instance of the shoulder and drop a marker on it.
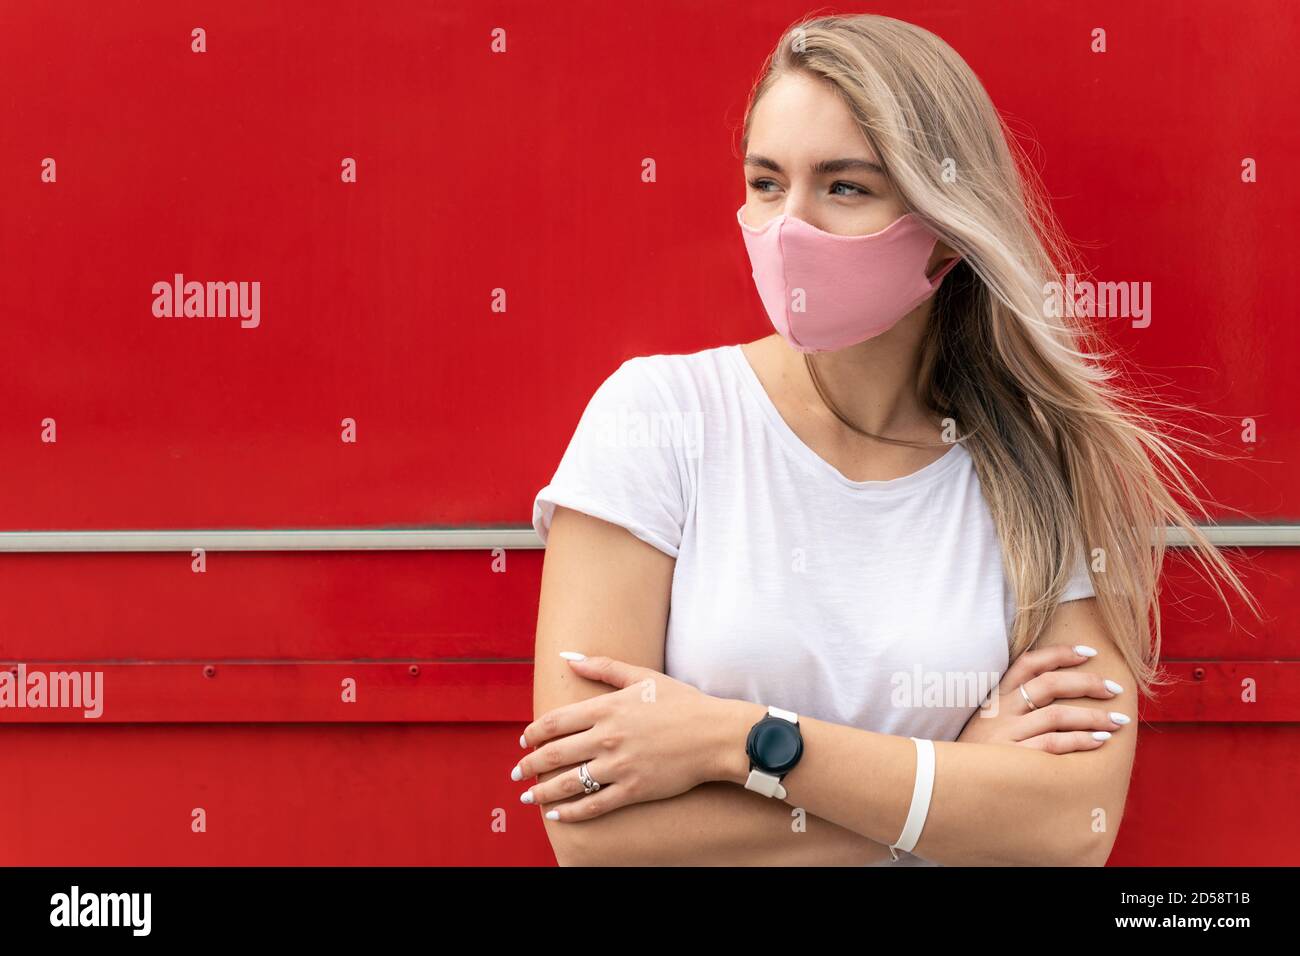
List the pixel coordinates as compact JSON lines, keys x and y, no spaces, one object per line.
{"x":681,"y":381}
{"x":678,"y":373}
{"x":633,"y":459}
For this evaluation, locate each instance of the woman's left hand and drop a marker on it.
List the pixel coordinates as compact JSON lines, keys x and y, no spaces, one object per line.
{"x":653,"y":738}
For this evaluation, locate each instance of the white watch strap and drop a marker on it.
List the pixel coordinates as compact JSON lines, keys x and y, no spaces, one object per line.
{"x":922,"y":789}
{"x":789,"y":715}
{"x":769,"y":785}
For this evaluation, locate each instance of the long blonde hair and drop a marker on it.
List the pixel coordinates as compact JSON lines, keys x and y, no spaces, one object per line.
{"x":1066,"y":458}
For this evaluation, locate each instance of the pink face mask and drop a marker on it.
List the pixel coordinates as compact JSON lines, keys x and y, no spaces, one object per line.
{"x":825,"y":292}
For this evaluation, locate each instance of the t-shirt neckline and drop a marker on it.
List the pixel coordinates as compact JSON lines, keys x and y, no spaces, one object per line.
{"x":796,"y":445}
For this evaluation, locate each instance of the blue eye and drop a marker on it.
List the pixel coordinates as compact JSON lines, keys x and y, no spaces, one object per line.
{"x":759,"y":185}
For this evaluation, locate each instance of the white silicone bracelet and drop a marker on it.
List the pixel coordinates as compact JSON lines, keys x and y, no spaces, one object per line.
{"x":921,"y":791}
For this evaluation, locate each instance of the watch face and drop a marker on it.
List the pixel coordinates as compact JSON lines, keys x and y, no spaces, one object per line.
{"x":775,"y":745}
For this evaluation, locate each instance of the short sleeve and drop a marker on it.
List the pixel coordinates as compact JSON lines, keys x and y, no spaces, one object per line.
{"x":624,"y":463}
{"x":1080,"y":584}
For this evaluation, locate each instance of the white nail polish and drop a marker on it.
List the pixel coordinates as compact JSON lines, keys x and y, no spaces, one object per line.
{"x":1113,"y":687}
{"x":1101,"y":735}
{"x":552,"y":814}
{"x":526,"y":797}
{"x":573,"y":656}
{"x":1117,"y":717}
{"x":516,"y":774}
{"x":523,"y":741}
{"x":1083,"y":650}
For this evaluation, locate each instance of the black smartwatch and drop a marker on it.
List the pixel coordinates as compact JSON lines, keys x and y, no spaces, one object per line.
{"x":775,"y":745}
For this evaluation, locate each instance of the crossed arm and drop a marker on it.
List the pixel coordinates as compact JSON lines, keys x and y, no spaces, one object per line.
{"x":604,"y":592}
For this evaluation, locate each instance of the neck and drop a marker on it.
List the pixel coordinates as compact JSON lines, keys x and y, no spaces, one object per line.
{"x":873,"y":383}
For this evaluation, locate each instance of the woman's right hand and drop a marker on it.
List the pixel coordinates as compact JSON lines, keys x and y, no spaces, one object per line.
{"x":1050,"y":726}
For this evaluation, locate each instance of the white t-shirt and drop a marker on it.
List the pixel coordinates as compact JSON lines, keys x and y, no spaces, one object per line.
{"x":881,"y":605}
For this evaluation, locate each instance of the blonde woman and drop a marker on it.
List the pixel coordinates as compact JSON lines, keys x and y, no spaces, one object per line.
{"x":785,"y":575}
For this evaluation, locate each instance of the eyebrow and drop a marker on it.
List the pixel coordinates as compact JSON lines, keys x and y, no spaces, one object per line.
{"x":826,"y":166}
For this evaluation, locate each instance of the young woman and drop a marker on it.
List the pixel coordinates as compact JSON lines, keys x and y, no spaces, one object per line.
{"x":796,"y":567}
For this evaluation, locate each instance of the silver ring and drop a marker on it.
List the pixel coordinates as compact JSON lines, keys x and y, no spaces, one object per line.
{"x":589,"y":785}
{"x":1026,"y":697}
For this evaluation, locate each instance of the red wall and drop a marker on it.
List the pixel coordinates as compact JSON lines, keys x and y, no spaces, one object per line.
{"x":522,"y":171}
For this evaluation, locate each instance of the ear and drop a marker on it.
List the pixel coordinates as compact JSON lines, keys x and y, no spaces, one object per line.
{"x":940,"y":257}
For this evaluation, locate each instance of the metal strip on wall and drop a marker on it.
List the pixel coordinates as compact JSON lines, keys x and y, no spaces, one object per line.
{"x":442,"y":539}
{"x":365,"y":539}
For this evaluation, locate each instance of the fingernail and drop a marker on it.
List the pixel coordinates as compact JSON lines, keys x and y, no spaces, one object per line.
{"x":573,"y":656}
{"x":526,"y":797}
{"x":552,"y":814}
{"x":516,"y":774}
{"x":1101,"y":735}
{"x":1113,"y":687}
{"x":1118,"y":718}
{"x":1083,"y":650}
{"x":523,"y":741}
